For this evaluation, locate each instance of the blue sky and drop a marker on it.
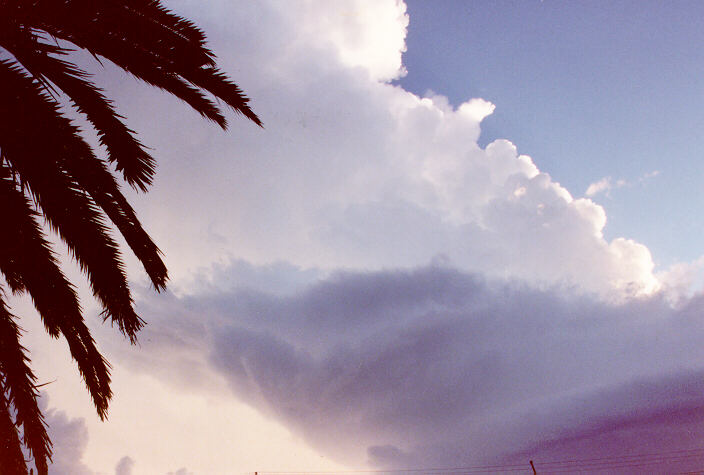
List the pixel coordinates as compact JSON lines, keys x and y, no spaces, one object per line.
{"x":378,"y":279}
{"x":588,"y":90}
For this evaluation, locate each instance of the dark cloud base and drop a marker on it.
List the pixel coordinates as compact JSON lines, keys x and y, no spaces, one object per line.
{"x":436,"y":367}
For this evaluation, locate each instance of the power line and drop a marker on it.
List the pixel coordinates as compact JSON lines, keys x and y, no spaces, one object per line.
{"x":614,"y":465}
{"x":406,"y":470}
{"x":546,"y":467}
{"x":619,"y":457}
{"x":627,"y":461}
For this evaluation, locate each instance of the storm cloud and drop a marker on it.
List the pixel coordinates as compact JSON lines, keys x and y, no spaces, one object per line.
{"x":435,"y":366}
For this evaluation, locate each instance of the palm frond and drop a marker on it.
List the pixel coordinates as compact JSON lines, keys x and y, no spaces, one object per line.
{"x":147,"y":41}
{"x":29,"y":264}
{"x":43,"y":157}
{"x":19,"y":392}
{"x":137,"y":25}
{"x":65,"y":204}
{"x":217,"y":83}
{"x":181,"y":26}
{"x":99,"y":183}
{"x":11,"y":457}
{"x":121,"y":146}
{"x":129,"y":155}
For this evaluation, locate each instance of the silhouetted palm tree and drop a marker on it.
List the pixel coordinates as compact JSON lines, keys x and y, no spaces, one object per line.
{"x":48,"y":170}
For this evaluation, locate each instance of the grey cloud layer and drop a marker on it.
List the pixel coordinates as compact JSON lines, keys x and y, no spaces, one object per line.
{"x":436,"y":366}
{"x":69,"y":438}
{"x":124,"y":466}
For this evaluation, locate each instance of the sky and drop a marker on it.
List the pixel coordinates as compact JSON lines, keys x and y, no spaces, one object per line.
{"x":465,"y":236}
{"x":589,"y":91}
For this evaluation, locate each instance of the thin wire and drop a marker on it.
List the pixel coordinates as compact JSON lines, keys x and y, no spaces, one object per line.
{"x":554,"y":466}
{"x":617,"y":457}
{"x":444,"y":471}
{"x":408,"y":470}
{"x":620,"y":464}
{"x":606,"y":467}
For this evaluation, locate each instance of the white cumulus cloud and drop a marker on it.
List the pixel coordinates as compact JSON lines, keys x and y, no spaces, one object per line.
{"x":353,"y":171}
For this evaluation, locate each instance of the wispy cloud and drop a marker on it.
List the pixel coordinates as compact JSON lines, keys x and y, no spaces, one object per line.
{"x":603,"y":186}
{"x":606,"y":184}
{"x":649,"y":175}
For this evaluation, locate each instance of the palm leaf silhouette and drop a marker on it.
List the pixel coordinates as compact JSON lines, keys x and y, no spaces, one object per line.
{"x":49,"y":173}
